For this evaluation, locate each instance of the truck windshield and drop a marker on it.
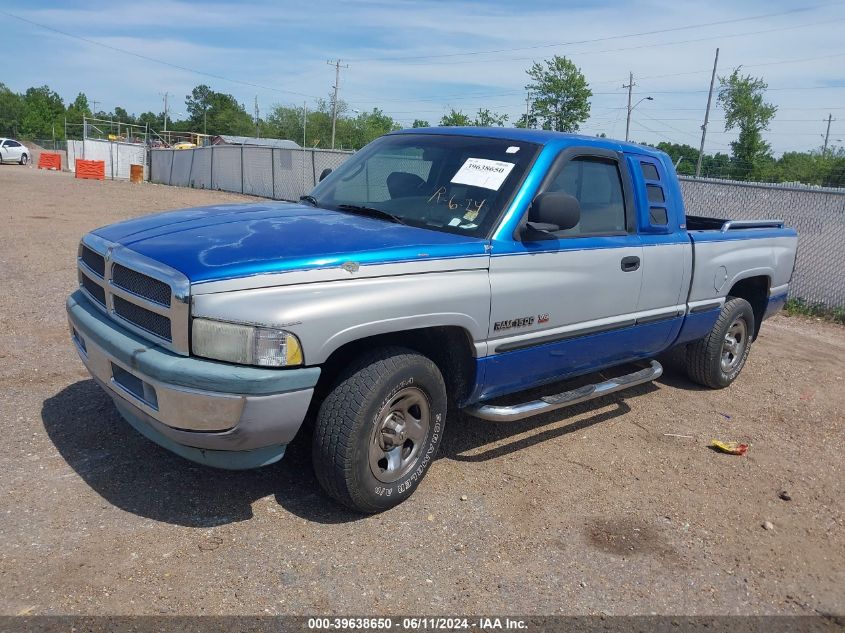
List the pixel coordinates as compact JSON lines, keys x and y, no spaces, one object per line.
{"x":458,"y":184}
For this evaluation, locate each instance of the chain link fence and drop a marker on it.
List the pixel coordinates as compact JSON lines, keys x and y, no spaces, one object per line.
{"x":286,"y":174}
{"x":118,"y":156}
{"x":817,"y":214}
{"x":268,"y":172}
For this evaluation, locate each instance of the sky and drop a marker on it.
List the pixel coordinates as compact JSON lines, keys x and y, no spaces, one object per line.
{"x":419,"y":58}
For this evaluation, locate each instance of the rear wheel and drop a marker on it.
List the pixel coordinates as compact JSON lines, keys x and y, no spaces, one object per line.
{"x":378,"y":430}
{"x":716,"y":360}
{"x":24,"y":159}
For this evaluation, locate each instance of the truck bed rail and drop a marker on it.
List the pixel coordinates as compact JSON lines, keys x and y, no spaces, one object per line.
{"x":700,"y":223}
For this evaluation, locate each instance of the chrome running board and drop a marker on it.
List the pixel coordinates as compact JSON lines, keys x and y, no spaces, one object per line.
{"x":545,"y":404}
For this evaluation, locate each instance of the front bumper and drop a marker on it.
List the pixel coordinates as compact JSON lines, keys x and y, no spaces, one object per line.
{"x":214,"y":413}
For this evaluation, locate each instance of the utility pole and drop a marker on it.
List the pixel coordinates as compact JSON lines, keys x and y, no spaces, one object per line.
{"x":337,"y":67}
{"x":165,"y":95}
{"x":94,"y":103}
{"x":257,"y":131}
{"x":706,"y":116}
{"x":528,"y":109}
{"x":827,"y":135}
{"x":630,"y":86}
{"x":304,"y":121}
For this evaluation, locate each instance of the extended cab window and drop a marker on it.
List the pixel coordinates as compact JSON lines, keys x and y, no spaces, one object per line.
{"x":658,"y":214}
{"x":597,"y":185}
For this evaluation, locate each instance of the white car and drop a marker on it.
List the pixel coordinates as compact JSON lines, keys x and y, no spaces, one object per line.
{"x":11,"y":151}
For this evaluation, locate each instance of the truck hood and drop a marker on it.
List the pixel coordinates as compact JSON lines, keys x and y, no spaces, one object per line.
{"x":231,"y":241}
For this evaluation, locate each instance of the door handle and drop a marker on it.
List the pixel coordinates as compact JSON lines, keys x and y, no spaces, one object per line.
{"x":630,"y":264}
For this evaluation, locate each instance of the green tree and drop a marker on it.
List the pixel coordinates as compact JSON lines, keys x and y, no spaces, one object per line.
{"x":742,"y":98}
{"x":284,"y":122}
{"x":561,"y":94}
{"x":43,"y":114}
{"x":420,"y":123}
{"x":216,"y":112}
{"x":155,"y":121}
{"x":455,"y":118}
{"x":367,"y":126}
{"x":120,"y":114}
{"x":486,"y":118}
{"x":526,"y":121}
{"x":716,"y":166}
{"x":75,"y":114}
{"x":351,"y":132}
{"x":687,"y":154}
{"x":11,"y":111}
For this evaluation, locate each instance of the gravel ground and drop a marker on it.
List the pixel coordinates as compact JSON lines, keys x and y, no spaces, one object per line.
{"x":614,"y":507}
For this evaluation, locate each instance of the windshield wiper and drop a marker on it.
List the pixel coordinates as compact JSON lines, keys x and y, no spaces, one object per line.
{"x":370,"y":211}
{"x":310,"y":199}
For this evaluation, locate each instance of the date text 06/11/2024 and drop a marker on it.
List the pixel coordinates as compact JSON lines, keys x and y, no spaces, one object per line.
{"x":417,"y":623}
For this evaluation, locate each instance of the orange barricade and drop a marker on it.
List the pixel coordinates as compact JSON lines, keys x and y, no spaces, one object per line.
{"x":136,"y":173}
{"x":93,"y":169}
{"x":48,"y":160}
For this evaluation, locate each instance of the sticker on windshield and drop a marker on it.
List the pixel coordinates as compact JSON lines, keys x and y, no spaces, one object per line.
{"x":513,"y":149}
{"x":481,"y":172}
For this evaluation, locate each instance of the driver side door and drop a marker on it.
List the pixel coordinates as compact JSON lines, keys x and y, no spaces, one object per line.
{"x":564,"y":306}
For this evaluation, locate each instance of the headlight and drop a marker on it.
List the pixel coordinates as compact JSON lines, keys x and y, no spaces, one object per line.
{"x":245,"y":344}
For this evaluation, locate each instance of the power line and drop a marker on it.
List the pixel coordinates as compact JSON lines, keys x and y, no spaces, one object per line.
{"x":639,"y":46}
{"x":593,"y":40}
{"x":464,"y":96}
{"x":153,"y":59}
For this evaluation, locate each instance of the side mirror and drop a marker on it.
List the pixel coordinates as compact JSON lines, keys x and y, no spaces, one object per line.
{"x":551,"y":211}
{"x":325,"y":173}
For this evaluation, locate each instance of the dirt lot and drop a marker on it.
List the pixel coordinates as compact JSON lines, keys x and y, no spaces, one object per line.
{"x":593,"y":509}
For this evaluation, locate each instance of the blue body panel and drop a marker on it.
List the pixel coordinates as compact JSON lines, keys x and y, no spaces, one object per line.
{"x":223,"y":242}
{"x":697,"y":325}
{"x":523,"y":369}
{"x":774,"y":305}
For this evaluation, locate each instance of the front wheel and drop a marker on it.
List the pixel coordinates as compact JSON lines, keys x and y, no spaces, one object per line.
{"x":378,"y":430}
{"x":716,"y":360}
{"x":24,"y":159}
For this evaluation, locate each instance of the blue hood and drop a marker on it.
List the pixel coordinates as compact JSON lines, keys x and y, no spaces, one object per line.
{"x":223,"y":242}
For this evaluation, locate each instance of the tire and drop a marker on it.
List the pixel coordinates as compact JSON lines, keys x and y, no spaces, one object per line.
{"x":716,"y":360}
{"x":378,"y":430}
{"x":24,"y":159}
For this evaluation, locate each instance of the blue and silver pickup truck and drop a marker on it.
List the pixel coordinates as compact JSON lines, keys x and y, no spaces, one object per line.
{"x":437,"y":269}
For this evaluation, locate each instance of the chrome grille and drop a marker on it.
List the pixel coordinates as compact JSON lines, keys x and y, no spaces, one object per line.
{"x":143,"y":318}
{"x":140,"y":284}
{"x":144,"y":296}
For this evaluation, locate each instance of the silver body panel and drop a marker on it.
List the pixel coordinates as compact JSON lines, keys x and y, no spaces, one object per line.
{"x":667,"y":269}
{"x":327,"y":315}
{"x":721,"y":264}
{"x":573,"y":287}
